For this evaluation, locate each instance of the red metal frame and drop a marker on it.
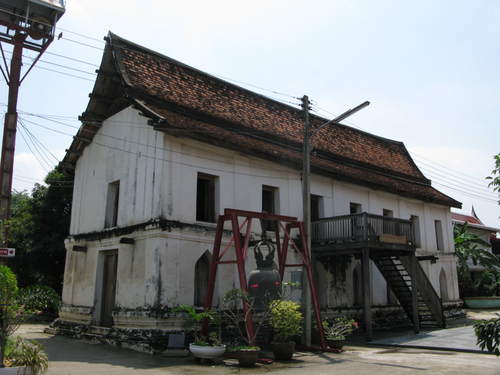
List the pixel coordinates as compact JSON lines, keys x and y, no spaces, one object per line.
{"x":241,"y":250}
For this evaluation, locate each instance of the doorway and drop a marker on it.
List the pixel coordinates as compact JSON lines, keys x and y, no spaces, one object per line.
{"x":108,"y":294}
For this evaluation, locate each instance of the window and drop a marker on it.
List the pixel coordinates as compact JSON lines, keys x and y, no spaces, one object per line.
{"x":112,"y":203}
{"x":389,"y":225}
{"x":416,"y":231}
{"x":356,"y":223}
{"x":206,"y":198}
{"x":316,"y":207}
{"x":439,"y":234}
{"x":270,"y":203}
{"x":354,"y":208}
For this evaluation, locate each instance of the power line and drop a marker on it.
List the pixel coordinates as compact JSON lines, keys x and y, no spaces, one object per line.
{"x":458,"y":187}
{"x":446,"y":168}
{"x":171,"y":62}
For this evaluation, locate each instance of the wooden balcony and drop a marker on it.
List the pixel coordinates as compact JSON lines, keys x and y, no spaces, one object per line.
{"x":350,"y":234}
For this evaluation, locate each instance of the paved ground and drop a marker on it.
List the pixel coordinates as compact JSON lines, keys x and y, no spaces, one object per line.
{"x":394,"y":351}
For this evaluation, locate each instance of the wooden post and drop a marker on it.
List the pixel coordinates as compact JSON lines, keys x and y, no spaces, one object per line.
{"x":367,"y":307}
{"x":414,"y":293}
{"x":306,"y":206}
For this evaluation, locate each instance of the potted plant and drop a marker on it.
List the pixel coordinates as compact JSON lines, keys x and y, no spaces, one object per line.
{"x":25,"y":357}
{"x":286,"y":320}
{"x":203,"y":347}
{"x":26,"y":354}
{"x":337,"y":330}
{"x":248,"y":353}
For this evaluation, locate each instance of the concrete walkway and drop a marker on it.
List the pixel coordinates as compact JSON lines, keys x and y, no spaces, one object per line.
{"x":394,"y":351}
{"x":454,"y":339}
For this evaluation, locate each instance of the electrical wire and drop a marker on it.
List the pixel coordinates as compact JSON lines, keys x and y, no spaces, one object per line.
{"x":315,"y":107}
{"x":459,"y":186}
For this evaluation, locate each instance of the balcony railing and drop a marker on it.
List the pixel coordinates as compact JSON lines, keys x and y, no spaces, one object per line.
{"x":362,"y":227}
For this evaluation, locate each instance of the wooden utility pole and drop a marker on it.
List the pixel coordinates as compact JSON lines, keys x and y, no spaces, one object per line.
{"x":306,"y":201}
{"x":9,"y":135}
{"x":26,"y":24}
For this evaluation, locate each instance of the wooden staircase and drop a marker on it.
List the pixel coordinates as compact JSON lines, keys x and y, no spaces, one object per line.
{"x":397,"y":272}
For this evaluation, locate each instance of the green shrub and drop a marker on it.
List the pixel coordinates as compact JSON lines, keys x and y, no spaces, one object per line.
{"x":39,"y":297}
{"x":286,"y":320}
{"x":488,"y":334}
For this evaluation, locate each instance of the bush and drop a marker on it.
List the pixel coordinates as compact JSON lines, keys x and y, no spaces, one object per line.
{"x":286,"y":320}
{"x":39,"y":297}
{"x":488,"y":334}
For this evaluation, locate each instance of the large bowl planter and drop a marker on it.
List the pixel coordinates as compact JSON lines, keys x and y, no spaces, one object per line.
{"x":15,"y":370}
{"x":247,"y":357}
{"x":207,"y":352}
{"x":335,"y":343}
{"x":283,"y":350}
{"x":482,"y":302}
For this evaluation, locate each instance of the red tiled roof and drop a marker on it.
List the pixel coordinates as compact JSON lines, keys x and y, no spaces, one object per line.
{"x":189,"y":103}
{"x":462,"y":217}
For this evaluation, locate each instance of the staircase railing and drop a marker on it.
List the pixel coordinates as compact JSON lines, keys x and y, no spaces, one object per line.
{"x":427,"y":291}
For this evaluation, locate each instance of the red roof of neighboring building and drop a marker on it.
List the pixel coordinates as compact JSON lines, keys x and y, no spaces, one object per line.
{"x":469,"y":218}
{"x":186,"y":102}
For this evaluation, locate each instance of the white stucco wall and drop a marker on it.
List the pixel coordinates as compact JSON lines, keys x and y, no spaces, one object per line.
{"x":125,"y":149}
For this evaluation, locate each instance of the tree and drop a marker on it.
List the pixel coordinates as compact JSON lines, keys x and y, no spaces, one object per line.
{"x":38,"y":227}
{"x":488,"y":335}
{"x":466,"y":248}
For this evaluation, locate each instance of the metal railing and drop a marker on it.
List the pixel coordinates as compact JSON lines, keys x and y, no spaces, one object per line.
{"x":361,"y":227}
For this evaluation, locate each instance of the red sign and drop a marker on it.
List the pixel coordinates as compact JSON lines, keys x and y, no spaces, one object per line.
{"x":7,"y":252}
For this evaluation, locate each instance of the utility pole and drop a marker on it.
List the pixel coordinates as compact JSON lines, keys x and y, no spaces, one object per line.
{"x":306,"y":201}
{"x":26,"y":24}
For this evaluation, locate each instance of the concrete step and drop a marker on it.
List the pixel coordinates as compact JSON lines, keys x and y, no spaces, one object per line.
{"x":96,"y":330}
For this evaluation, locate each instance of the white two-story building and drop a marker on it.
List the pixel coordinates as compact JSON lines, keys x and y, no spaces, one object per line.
{"x":164,"y":148}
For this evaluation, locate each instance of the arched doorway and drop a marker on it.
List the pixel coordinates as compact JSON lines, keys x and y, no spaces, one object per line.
{"x":443,"y":285}
{"x":357,"y":286}
{"x":201,"y":273}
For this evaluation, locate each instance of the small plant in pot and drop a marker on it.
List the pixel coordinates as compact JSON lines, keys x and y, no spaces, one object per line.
{"x":25,"y":356}
{"x":203,"y":347}
{"x":231,"y":307}
{"x":337,"y":330}
{"x":286,"y":320}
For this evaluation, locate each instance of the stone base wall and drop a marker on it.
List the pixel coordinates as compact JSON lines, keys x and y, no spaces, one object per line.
{"x":149,"y":331}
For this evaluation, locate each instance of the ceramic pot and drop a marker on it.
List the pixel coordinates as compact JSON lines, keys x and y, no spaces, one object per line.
{"x":482,"y":302}
{"x":335,"y":343}
{"x":247,"y":357}
{"x":283,"y":350}
{"x":208,"y":352}
{"x":15,"y":370}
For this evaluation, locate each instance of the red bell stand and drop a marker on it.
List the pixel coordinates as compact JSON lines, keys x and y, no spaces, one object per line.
{"x":286,"y":224}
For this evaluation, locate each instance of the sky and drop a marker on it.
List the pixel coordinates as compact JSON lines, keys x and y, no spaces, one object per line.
{"x":430,"y":70}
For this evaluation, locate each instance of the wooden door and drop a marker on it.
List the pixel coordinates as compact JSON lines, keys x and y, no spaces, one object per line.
{"x":109,"y":288}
